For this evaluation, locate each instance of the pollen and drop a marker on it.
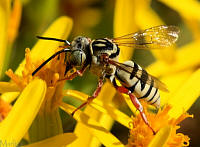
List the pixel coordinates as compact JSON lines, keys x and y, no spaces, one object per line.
{"x":141,"y":135}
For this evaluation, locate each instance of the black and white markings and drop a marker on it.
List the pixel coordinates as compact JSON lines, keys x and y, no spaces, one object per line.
{"x":105,"y":46}
{"x":137,"y":82}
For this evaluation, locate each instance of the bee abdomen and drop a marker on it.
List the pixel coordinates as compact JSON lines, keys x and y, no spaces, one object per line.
{"x":138,"y":81}
{"x":150,"y":94}
{"x":146,"y":92}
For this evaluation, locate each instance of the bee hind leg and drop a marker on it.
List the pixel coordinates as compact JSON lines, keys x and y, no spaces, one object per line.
{"x":90,"y":99}
{"x":136,"y":103}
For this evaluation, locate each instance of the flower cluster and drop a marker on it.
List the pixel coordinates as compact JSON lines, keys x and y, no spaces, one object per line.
{"x":37,"y":99}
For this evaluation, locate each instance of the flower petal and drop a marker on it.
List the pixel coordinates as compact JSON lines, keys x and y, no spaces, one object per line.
{"x":10,"y":96}
{"x":4,"y":15}
{"x":8,"y":87}
{"x":187,"y":58}
{"x":106,"y":95}
{"x":58,"y":140}
{"x":16,"y":124}
{"x":191,"y":12}
{"x":187,"y":94}
{"x":100,"y":106}
{"x":173,"y":83}
{"x":94,"y":127}
{"x":45,"y":48}
{"x":124,"y":23}
{"x":144,"y":10}
{"x":161,"y":137}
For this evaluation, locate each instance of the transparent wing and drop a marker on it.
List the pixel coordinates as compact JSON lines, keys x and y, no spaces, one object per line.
{"x":152,"y":38}
{"x":142,"y":75}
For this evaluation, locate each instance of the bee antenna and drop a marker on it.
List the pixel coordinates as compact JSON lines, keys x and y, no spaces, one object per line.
{"x":55,"y":39}
{"x":50,"y":58}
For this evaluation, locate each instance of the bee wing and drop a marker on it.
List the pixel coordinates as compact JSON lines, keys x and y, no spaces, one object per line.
{"x":159,"y":84}
{"x":152,"y":38}
{"x":141,"y":74}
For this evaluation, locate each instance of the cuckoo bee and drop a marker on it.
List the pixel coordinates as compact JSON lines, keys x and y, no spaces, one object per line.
{"x":100,"y":56}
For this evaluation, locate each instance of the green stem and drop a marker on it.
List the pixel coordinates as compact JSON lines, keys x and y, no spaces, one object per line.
{"x":45,"y":125}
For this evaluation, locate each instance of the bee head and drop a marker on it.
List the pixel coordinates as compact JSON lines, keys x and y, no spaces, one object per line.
{"x":80,"y":43}
{"x":80,"y":48}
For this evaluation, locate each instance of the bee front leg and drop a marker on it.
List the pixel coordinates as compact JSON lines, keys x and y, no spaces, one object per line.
{"x":75,"y":74}
{"x":136,"y":103}
{"x":90,"y":99}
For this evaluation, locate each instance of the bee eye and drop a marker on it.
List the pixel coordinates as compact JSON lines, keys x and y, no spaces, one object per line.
{"x":77,"y":57}
{"x":79,"y":45}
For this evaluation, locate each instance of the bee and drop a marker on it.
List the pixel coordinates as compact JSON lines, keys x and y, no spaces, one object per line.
{"x":100,"y":56}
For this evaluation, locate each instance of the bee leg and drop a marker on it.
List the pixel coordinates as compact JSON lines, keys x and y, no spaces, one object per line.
{"x":136,"y":103}
{"x":72,"y":76}
{"x":90,"y":99}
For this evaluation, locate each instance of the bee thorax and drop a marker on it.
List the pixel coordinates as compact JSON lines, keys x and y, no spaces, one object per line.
{"x":104,"y":46}
{"x":97,"y":67}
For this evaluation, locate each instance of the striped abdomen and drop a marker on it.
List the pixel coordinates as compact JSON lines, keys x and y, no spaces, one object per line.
{"x":138,"y":81}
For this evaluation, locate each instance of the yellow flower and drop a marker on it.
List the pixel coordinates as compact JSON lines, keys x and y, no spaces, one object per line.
{"x":181,"y":73}
{"x":14,"y":126}
{"x":41,"y":98}
{"x":44,"y":121}
{"x":141,"y":135}
{"x":164,"y":123}
{"x":45,"y":97}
